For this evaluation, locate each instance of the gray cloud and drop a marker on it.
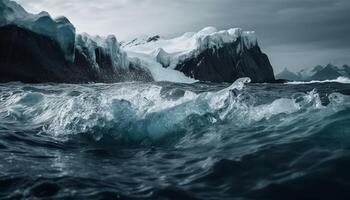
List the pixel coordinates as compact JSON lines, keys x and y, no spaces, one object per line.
{"x":295,"y":33}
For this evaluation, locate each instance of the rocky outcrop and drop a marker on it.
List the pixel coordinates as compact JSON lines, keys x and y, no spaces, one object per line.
{"x":37,"y":48}
{"x":288,"y":75}
{"x":209,"y":55}
{"x":29,"y":57}
{"x":226,"y":64}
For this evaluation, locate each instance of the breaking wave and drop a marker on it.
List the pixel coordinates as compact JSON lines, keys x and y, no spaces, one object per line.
{"x":170,"y":140}
{"x":149,"y":113}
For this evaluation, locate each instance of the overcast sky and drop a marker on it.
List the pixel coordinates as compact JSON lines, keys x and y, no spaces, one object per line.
{"x":294,"y":33}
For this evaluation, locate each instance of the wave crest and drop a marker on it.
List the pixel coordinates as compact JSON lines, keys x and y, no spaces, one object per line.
{"x":137,"y":112}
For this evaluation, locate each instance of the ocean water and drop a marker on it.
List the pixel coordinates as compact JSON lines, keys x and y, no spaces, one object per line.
{"x":175,"y":141}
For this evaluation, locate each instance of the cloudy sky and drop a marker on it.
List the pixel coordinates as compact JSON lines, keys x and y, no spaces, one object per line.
{"x":294,"y":33}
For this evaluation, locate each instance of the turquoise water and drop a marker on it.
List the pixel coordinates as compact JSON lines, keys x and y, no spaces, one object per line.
{"x":175,"y":141}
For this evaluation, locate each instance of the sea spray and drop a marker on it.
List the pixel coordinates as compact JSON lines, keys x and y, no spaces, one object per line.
{"x":151,"y":140}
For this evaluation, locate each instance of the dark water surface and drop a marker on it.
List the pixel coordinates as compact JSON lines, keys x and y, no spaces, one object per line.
{"x":175,"y":141}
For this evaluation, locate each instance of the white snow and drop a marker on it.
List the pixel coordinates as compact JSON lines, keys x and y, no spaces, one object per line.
{"x":162,"y":57}
{"x":63,"y":31}
{"x":159,"y":73}
{"x":121,"y":59}
{"x":190,"y":44}
{"x":59,"y":29}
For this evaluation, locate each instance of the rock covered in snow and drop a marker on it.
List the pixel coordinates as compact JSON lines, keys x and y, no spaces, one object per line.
{"x":66,"y":37}
{"x":191,"y":44}
{"x":210,"y":55}
{"x":97,"y":47}
{"x":35,"y":58}
{"x":59,"y":29}
{"x":48,"y":50}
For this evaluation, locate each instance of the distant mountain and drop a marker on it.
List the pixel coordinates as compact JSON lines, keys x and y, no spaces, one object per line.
{"x":317,"y":73}
{"x":329,"y":72}
{"x":288,"y":75}
{"x":306,"y":74}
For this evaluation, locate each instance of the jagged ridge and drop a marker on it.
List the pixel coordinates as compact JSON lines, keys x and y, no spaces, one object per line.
{"x":317,"y":73}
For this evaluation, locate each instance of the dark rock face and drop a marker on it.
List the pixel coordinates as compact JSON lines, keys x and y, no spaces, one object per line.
{"x":226,"y":64}
{"x":32,"y":58}
{"x":153,"y":39}
{"x":29,"y":57}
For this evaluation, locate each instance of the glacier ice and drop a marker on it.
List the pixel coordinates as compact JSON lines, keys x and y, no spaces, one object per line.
{"x":169,"y":52}
{"x":162,"y":57}
{"x":59,"y":29}
{"x":66,"y":37}
{"x":107,"y":45}
{"x":159,"y":73}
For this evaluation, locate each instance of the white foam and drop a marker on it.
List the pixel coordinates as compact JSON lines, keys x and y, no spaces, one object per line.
{"x":344,"y":80}
{"x":138,"y":110}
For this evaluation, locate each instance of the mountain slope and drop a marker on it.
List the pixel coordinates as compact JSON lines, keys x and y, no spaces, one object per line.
{"x":288,"y":75}
{"x":209,"y":55}
{"x":37,"y":48}
{"x":33,"y":58}
{"x":328,"y":72}
{"x":322,"y":73}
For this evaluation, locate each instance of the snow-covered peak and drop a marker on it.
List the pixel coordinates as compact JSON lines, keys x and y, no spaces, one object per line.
{"x":193,"y":43}
{"x":140,"y":41}
{"x":208,"y":30}
{"x":59,"y":29}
